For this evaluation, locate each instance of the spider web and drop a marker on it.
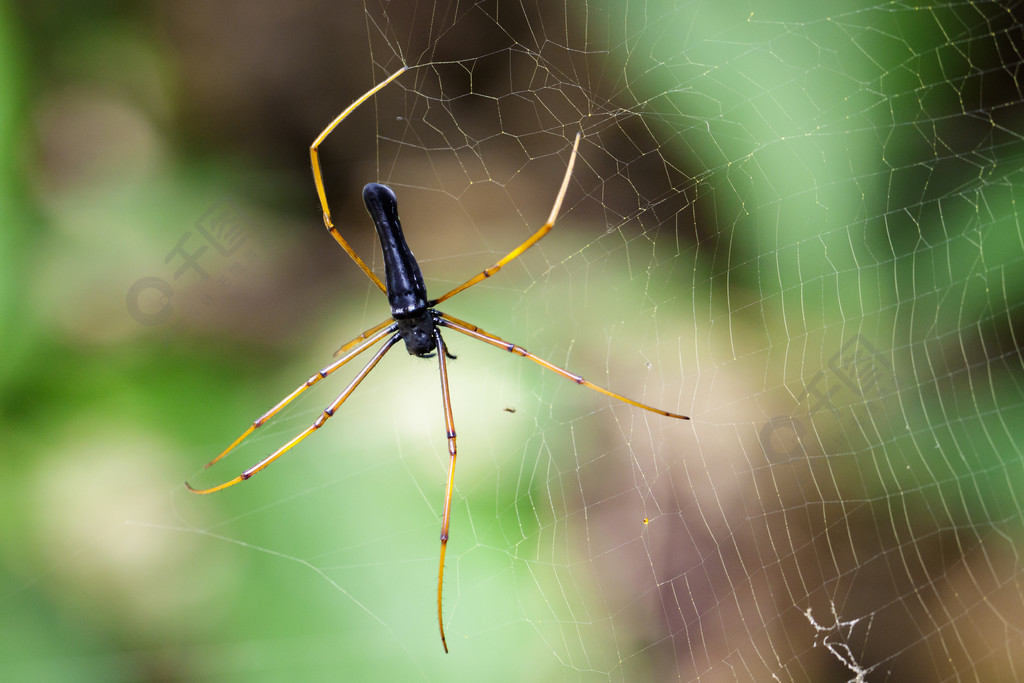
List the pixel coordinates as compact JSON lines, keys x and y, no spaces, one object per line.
{"x":796,"y":224}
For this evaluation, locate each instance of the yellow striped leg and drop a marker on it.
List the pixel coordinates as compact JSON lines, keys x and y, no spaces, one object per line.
{"x":318,"y":178}
{"x":533,"y":239}
{"x":288,"y":399}
{"x":449,"y":424}
{"x":476,"y":333}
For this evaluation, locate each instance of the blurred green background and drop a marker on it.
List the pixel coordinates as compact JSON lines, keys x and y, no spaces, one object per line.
{"x":797,"y":224}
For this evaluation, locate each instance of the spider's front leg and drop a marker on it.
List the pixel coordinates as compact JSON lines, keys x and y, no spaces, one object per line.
{"x":530,"y":241}
{"x":318,"y":178}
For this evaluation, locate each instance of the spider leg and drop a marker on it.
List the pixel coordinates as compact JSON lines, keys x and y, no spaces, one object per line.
{"x":365,"y":335}
{"x":319,"y":180}
{"x":301,"y":388}
{"x":533,"y":239}
{"x":476,"y":333}
{"x":449,"y":424}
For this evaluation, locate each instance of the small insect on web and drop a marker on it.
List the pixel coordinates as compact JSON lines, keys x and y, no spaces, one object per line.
{"x":414,"y":319}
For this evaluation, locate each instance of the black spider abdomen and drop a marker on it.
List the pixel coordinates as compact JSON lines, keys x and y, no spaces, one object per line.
{"x":406,"y":292}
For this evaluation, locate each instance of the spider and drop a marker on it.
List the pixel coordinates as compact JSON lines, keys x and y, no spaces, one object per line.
{"x":414,"y":319}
